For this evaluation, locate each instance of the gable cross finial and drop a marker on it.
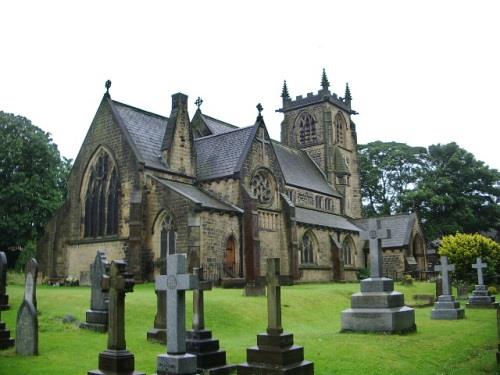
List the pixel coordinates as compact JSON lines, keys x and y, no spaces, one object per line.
{"x":107,"y":85}
{"x":198,"y":102}
{"x":260,"y":109}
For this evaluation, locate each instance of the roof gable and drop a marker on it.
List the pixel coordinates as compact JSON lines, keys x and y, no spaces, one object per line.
{"x":401,"y":227}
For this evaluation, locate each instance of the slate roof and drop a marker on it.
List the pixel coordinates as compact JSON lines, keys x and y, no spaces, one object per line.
{"x":217,"y":126}
{"x":300,"y":171}
{"x":220,"y":155}
{"x":306,"y":216}
{"x":198,"y":196}
{"x":400,"y":226}
{"x":146,"y":130}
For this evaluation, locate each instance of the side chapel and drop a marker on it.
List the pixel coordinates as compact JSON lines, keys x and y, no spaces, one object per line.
{"x":144,"y":185}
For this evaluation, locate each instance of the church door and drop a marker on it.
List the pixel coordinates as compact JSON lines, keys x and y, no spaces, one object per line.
{"x":230,"y":258}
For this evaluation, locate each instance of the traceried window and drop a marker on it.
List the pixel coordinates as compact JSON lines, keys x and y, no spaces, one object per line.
{"x":168,"y":237}
{"x":347,"y":252}
{"x":340,"y":128}
{"x":101,"y":201}
{"x":306,"y":126}
{"x":307,"y":246}
{"x":262,"y":187}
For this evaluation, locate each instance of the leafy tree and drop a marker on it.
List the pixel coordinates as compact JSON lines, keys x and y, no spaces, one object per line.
{"x":463,"y":249}
{"x":32,"y":180}
{"x":388,"y":171}
{"x":456,"y":193}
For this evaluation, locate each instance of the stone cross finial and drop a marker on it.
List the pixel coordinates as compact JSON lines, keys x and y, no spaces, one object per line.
{"x":479,"y":266}
{"x":260,"y":109}
{"x":117,"y":284}
{"x":273,"y":297}
{"x":198,"y":303}
{"x":198,"y":102}
{"x":107,"y":85}
{"x":176,"y":282}
{"x":445,"y":268}
{"x":375,"y":235}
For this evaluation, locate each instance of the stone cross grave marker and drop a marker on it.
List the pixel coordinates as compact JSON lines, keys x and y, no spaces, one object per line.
{"x":273,"y":297}
{"x":479,"y":265}
{"x":4,"y":297}
{"x":375,"y":235}
{"x":116,"y":359}
{"x":445,"y":269}
{"x":97,"y":316}
{"x":198,"y":300}
{"x":175,"y":283}
{"x":27,"y":316}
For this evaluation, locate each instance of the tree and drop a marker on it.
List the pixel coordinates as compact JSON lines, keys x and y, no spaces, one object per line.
{"x":463,"y":249}
{"x":455,"y":193}
{"x":32,"y":180}
{"x":388,"y":171}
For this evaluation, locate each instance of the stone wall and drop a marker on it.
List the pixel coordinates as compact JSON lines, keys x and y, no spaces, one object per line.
{"x":394,"y":262}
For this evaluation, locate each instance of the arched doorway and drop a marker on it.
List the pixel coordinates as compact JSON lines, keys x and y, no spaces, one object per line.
{"x":230,"y":258}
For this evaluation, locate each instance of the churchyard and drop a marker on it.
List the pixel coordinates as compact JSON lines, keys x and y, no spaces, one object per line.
{"x":312,"y":312}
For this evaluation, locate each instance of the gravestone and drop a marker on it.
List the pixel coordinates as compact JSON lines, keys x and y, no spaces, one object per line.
{"x":275,"y":352}
{"x":4,"y":297}
{"x":446,"y":308}
{"x":481,"y":297}
{"x":175,"y":283}
{"x":159,"y":331}
{"x":498,"y":335}
{"x":96,"y":318}
{"x":439,"y":285}
{"x":5,"y":340}
{"x":210,"y":359}
{"x":117,"y":360}
{"x":27,"y":316}
{"x":378,"y":308}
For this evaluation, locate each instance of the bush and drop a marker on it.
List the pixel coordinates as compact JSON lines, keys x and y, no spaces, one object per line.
{"x":28,"y":252}
{"x":363,"y":273}
{"x":407,"y":280}
{"x":492,"y":290}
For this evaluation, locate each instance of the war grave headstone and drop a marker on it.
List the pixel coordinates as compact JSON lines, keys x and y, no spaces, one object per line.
{"x":4,"y":297}
{"x":116,"y":359}
{"x":446,"y":308}
{"x":275,"y":352}
{"x":5,"y":340}
{"x":96,"y":318}
{"x":210,"y":359}
{"x":378,"y":308}
{"x":27,"y":316}
{"x":175,"y":283}
{"x":481,"y":297}
{"x":159,"y":331}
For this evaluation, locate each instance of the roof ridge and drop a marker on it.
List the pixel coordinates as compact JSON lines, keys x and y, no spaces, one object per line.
{"x":223,"y":122}
{"x":220,"y":134}
{"x":140,"y":110}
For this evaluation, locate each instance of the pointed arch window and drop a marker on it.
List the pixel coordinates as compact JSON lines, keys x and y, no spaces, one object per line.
{"x":308,"y":249}
{"x":101,"y":205}
{"x":306,"y":128}
{"x":168,"y":237}
{"x":340,"y":128}
{"x":347,"y":252}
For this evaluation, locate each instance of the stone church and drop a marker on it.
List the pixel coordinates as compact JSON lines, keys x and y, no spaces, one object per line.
{"x":144,"y":185}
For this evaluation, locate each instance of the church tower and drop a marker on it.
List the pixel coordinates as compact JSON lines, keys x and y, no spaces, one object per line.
{"x":321,"y":125}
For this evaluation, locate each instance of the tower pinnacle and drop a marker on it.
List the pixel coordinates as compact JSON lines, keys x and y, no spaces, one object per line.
{"x":324,"y":81}
{"x":284,"y":92}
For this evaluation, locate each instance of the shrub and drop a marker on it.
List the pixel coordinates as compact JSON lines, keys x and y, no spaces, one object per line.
{"x":363,"y":273}
{"x":492,"y":290}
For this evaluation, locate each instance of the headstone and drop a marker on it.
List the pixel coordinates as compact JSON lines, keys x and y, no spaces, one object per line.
{"x":275,"y":352}
{"x":439,"y":285}
{"x":210,"y":359}
{"x":4,"y":297}
{"x":159,"y":331}
{"x":5,"y":340}
{"x":378,"y":308}
{"x":446,"y":308}
{"x":27,"y":316}
{"x":175,"y":283}
{"x":481,"y":297}
{"x":117,"y":360}
{"x":96,"y":318}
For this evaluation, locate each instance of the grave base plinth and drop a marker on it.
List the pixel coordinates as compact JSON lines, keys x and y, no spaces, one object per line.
{"x":116,"y":362}
{"x":481,"y":299}
{"x":176,"y":364}
{"x":276,"y":354}
{"x":157,"y":335}
{"x":446,"y":308}
{"x":5,"y":340}
{"x":96,"y":320}
{"x":4,"y":302}
{"x":210,"y":359}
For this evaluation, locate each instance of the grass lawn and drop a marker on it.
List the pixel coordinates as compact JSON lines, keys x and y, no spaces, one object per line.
{"x":311,"y":312}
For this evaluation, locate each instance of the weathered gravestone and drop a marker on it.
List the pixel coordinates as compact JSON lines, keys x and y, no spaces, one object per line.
{"x":210,"y":359}
{"x":4,"y":297}
{"x":481,"y":297}
{"x":159,"y":331}
{"x":5,"y":340}
{"x":275,"y":352}
{"x":117,"y":360}
{"x":378,"y":308}
{"x":27,"y":316}
{"x":446,"y":308}
{"x":97,"y":317}
{"x":175,"y":283}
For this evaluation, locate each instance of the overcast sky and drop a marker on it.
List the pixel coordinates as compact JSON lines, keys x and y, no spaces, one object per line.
{"x":420,"y":72}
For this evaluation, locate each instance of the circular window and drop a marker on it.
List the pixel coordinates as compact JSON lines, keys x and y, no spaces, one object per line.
{"x":261,"y":188}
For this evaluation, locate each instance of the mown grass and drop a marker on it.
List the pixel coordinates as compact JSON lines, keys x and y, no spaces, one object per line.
{"x":311,"y":312}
